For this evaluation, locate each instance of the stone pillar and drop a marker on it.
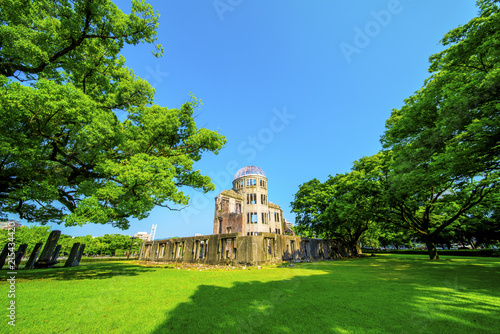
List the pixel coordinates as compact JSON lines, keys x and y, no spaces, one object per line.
{"x":19,"y":255}
{"x":154,"y":251}
{"x":223,"y":248}
{"x":3,"y":255}
{"x":55,"y":255}
{"x":79,"y":255}
{"x":231,"y":248}
{"x":141,"y":251}
{"x":72,"y":255}
{"x":48,"y":250}
{"x":33,"y":256}
{"x":196,"y":251}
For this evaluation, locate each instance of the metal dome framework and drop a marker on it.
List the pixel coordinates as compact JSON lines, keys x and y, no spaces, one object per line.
{"x":249,"y":170}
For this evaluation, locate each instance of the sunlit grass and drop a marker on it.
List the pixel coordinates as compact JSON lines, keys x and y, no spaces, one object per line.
{"x":381,"y":294}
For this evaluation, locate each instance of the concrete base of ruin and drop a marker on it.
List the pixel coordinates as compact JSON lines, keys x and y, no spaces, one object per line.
{"x":233,"y":249}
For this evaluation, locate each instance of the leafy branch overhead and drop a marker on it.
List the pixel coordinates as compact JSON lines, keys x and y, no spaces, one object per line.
{"x":43,"y":36}
{"x":64,"y":152}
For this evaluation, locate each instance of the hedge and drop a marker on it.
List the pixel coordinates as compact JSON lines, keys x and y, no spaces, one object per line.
{"x":456,"y":252}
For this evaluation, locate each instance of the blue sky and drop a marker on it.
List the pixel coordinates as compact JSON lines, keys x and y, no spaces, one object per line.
{"x":299,"y":88}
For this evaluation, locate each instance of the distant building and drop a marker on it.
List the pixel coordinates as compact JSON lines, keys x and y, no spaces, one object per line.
{"x":143,"y":235}
{"x":10,"y":224}
{"x":245,"y":209}
{"x":288,"y":228}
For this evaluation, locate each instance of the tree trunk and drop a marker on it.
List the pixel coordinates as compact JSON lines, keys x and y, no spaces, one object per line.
{"x":431,"y":249}
{"x":471,"y":243}
{"x":358,"y":249}
{"x":355,"y":249}
{"x":478,"y":243}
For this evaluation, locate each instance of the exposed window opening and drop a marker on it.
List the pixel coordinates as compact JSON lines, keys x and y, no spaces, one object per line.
{"x":253,"y":198}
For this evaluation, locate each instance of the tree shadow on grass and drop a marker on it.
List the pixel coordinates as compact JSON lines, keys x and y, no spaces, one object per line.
{"x":346,"y":297}
{"x":91,"y":270}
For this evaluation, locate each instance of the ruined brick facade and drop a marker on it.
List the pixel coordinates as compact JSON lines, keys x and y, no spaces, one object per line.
{"x":246,"y":209}
{"x":228,"y":211}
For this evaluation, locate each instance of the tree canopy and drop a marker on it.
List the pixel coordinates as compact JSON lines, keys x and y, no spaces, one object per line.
{"x":346,"y":206}
{"x":81,"y":140}
{"x":452,"y":123}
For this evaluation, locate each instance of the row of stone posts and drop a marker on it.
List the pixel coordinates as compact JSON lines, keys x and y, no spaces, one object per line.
{"x":48,"y":257}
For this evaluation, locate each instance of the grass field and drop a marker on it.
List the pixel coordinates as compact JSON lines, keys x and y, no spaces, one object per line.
{"x":381,"y":294}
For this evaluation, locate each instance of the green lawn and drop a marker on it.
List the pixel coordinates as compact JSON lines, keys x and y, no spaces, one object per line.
{"x":382,"y":294}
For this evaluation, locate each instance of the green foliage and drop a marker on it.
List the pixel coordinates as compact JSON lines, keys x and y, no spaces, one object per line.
{"x":65,"y":155}
{"x":41,"y":38}
{"x":487,"y":252}
{"x":446,"y":135}
{"x":109,"y":244}
{"x":309,"y":204}
{"x":346,"y":206}
{"x":26,"y":235}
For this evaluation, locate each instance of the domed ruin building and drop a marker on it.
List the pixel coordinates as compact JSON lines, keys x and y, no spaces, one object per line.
{"x":246,"y":209}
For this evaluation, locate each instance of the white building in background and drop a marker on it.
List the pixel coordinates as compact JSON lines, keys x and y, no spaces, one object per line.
{"x":288,"y":228}
{"x":143,"y":236}
{"x":10,"y":224}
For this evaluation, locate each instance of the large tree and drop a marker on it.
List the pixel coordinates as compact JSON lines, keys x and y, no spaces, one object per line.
{"x":81,"y":139}
{"x":453,"y":121}
{"x":346,"y":206}
{"x":309,"y":204}
{"x":445,"y":140}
